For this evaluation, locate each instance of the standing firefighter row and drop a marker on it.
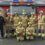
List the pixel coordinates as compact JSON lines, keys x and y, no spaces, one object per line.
{"x":26,"y":26}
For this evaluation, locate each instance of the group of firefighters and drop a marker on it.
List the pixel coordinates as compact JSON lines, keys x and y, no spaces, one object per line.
{"x":25,"y":26}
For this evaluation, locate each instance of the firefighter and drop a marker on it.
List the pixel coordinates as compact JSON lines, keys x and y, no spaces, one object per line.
{"x":30,"y":31}
{"x":32,"y":18}
{"x":20,"y":32}
{"x":6,"y":23}
{"x":40,"y":19}
{"x":43,"y":26}
{"x":16,"y":20}
{"x":24,"y":19}
{"x":41,"y":23}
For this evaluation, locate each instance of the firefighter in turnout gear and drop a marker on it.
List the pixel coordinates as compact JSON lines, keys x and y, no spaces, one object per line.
{"x":32,"y":18}
{"x":32,"y":22}
{"x":24,"y":19}
{"x":16,"y":20}
{"x":41,"y":23}
{"x":43,"y":26}
{"x":40,"y":19}
{"x":20,"y":32}
{"x":30,"y":31}
{"x":5,"y":26}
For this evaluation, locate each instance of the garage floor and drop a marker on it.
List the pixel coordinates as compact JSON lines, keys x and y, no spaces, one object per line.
{"x":15,"y":42}
{"x":11,"y":41}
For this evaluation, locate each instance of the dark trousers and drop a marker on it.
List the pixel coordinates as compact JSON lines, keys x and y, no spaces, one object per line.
{"x":1,"y":29}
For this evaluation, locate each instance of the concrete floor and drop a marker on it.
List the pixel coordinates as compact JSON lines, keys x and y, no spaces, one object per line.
{"x":15,"y":42}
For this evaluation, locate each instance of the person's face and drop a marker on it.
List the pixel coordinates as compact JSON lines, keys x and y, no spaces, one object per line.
{"x":41,"y":13}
